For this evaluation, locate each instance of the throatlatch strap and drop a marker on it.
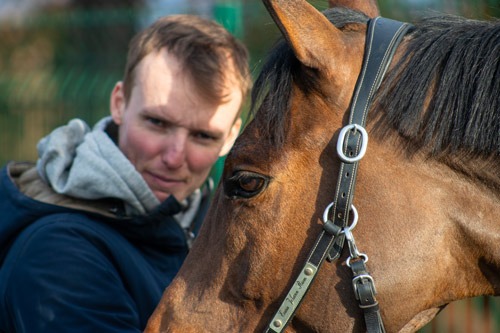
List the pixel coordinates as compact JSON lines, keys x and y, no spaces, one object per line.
{"x":383,"y":37}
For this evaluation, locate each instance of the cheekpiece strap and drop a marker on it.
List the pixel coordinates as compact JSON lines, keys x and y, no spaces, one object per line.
{"x":382,"y":38}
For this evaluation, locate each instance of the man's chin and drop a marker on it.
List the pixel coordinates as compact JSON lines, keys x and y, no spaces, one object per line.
{"x":162,"y":196}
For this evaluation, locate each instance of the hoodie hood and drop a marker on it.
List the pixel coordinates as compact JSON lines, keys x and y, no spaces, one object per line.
{"x":87,"y":164}
{"x":18,"y":211}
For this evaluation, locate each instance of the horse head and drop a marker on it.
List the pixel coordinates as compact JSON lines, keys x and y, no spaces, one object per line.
{"x":428,"y":204}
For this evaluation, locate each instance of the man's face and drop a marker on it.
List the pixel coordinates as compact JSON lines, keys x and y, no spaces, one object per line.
{"x":171,"y":134}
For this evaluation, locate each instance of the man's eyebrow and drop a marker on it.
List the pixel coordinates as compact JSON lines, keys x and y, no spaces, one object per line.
{"x":156,"y":113}
{"x":152,"y":110}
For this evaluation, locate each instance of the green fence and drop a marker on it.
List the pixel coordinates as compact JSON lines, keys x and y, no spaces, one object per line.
{"x":56,"y":66}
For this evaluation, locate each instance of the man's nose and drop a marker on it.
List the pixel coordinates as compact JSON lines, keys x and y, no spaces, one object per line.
{"x":174,"y":150}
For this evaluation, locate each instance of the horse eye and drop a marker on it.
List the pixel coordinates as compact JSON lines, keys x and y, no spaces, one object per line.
{"x":244,"y":184}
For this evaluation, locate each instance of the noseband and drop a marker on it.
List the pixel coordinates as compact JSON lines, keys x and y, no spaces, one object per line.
{"x":382,"y":38}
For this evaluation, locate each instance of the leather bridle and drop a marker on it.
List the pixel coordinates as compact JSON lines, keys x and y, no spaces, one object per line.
{"x":382,"y":38}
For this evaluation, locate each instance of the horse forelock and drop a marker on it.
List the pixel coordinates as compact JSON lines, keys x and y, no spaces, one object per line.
{"x":443,"y":95}
{"x":272,"y":91}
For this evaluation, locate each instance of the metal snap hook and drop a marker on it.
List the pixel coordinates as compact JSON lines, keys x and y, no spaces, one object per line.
{"x":362,"y":255}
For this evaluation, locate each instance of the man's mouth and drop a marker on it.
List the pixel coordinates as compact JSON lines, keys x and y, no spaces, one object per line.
{"x":164,"y":181}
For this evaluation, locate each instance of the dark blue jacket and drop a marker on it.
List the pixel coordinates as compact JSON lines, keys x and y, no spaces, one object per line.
{"x":68,"y":270}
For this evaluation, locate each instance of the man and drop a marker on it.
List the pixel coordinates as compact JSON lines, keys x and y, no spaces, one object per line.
{"x":91,"y":235}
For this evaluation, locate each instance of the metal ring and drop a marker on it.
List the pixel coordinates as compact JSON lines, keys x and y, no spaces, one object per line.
{"x":327,"y":210}
{"x":340,"y":143}
{"x":354,"y":219}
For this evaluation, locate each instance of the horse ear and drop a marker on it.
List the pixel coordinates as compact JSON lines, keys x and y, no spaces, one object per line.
{"x":314,"y":40}
{"x":368,"y":7}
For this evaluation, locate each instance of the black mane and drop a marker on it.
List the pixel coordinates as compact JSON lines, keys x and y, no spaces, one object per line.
{"x":455,"y":62}
{"x":452,"y":60}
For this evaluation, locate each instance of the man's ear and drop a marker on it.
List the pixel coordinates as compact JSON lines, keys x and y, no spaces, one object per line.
{"x":233,"y":134}
{"x":117,"y":103}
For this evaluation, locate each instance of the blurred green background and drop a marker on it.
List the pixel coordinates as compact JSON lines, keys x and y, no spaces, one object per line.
{"x":59,"y":59}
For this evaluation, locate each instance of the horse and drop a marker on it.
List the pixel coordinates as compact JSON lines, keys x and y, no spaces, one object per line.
{"x":427,"y":196}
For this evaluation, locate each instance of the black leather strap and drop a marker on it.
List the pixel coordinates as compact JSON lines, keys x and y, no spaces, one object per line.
{"x":383,"y":37}
{"x":364,"y":289}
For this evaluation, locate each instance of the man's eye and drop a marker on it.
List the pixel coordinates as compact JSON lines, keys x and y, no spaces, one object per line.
{"x":156,"y":122}
{"x":245,"y":184}
{"x":204,"y":136}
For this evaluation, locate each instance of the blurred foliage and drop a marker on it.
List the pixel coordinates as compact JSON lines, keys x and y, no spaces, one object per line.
{"x":54,"y":66}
